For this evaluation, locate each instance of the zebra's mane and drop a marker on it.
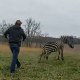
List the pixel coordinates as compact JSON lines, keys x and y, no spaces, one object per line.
{"x":65,"y":39}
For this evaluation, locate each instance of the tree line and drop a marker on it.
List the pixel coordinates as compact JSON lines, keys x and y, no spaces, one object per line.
{"x":35,"y":37}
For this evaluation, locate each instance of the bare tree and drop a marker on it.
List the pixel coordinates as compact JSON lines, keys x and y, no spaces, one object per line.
{"x":4,"y":26}
{"x":31,"y":29}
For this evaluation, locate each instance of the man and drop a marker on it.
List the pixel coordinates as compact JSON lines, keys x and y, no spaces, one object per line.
{"x":15,"y":35}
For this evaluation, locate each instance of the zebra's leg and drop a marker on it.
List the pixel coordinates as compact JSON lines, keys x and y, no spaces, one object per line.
{"x":58,"y":54}
{"x":62,"y":54}
{"x":47,"y":55}
{"x":41,"y":55}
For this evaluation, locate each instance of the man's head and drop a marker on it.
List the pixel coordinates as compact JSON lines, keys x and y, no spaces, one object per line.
{"x":18,"y":22}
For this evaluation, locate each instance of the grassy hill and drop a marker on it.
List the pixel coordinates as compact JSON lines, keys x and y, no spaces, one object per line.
{"x":53,"y":69}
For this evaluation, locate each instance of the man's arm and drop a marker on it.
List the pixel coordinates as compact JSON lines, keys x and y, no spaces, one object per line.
{"x":23,"y":35}
{"x":6,"y":33}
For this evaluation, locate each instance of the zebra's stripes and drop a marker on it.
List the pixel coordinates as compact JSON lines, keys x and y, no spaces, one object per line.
{"x":57,"y":46}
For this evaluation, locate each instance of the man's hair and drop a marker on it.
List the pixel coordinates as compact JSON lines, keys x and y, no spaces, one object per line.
{"x":18,"y":22}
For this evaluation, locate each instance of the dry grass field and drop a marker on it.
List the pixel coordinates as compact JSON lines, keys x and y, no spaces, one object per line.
{"x":5,"y":48}
{"x":53,"y":69}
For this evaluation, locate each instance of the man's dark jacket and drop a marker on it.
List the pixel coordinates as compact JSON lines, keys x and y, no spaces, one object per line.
{"x":15,"y":34}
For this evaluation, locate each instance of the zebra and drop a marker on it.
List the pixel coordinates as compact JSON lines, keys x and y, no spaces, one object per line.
{"x":57,"y":46}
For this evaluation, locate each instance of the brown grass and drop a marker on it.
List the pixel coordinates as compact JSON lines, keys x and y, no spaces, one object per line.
{"x":5,"y":49}
{"x":76,"y":49}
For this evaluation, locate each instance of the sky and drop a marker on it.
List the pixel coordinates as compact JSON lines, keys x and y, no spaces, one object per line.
{"x":57,"y":17}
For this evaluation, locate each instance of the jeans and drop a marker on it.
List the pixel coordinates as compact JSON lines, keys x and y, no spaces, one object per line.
{"x":15,"y":51}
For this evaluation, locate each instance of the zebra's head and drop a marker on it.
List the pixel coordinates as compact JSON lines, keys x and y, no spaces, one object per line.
{"x":68,"y":40}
